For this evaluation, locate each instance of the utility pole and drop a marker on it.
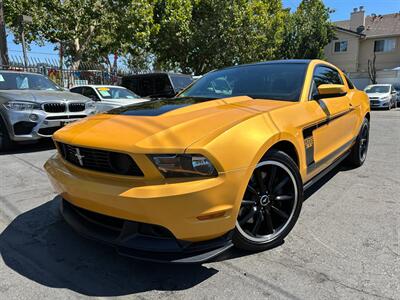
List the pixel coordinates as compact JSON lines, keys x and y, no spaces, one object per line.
{"x":3,"y":39}
{"x":61,"y":53}
{"x":22,"y":20}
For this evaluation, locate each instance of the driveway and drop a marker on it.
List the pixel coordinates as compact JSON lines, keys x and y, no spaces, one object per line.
{"x":344,"y":246}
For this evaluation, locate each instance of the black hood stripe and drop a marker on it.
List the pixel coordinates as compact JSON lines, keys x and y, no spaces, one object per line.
{"x":157,"y":107}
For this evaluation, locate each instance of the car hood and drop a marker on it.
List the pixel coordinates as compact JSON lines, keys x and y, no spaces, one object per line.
{"x":378,"y":95}
{"x":162,"y":125}
{"x":124,"y":101}
{"x":41,"y":96}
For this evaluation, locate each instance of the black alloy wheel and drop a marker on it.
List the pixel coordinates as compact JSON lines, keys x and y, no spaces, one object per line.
{"x":364,"y":139}
{"x":271,"y":203}
{"x":5,"y":141}
{"x":358,"y":153}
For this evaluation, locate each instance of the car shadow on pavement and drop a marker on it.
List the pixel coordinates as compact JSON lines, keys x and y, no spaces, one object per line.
{"x":39,"y":245}
{"x":324,"y":180}
{"x":27,"y":147}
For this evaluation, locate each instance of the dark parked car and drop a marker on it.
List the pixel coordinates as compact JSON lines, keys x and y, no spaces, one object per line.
{"x":397,"y":88}
{"x":157,"y":85}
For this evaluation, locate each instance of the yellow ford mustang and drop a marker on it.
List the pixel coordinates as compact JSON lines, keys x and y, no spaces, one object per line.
{"x":224,"y":163}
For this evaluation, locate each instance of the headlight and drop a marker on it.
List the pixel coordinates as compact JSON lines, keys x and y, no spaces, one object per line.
{"x":21,"y":106}
{"x":384,"y":98}
{"x":90,"y":105}
{"x":183,"y":165}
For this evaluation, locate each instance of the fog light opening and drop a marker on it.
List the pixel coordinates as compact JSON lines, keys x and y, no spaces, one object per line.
{"x":33,"y":117}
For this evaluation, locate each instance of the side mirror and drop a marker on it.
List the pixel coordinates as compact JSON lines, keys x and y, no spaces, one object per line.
{"x":330,"y":91}
{"x":94,"y":98}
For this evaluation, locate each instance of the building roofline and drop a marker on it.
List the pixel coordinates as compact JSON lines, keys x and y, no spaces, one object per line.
{"x":349,"y":31}
{"x":382,"y":35}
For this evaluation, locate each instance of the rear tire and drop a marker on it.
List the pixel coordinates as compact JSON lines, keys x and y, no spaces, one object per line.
{"x":271,"y":204}
{"x":359,"y":151}
{"x":5,"y":142}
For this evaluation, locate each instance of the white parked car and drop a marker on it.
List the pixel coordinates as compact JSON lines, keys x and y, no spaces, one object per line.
{"x":382,"y":96}
{"x":108,"y":97}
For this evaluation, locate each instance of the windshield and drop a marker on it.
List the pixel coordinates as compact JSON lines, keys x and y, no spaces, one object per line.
{"x":116,"y":93}
{"x":277,"y":81}
{"x":22,"y":81}
{"x":180,"y":82}
{"x":380,"y":89}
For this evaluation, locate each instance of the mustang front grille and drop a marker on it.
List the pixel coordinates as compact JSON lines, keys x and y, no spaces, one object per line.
{"x":100,"y":160}
{"x":54,"y":107}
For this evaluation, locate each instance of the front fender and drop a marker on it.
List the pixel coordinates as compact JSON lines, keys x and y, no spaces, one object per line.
{"x":240,"y":146}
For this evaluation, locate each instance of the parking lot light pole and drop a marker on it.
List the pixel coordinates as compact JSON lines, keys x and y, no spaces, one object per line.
{"x":24,"y":19}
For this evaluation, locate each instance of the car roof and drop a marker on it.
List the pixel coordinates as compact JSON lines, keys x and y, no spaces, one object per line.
{"x":271,"y":62}
{"x":157,"y":73}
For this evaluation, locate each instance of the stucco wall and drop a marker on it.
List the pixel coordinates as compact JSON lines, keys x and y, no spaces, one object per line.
{"x":347,"y":61}
{"x":384,"y":60}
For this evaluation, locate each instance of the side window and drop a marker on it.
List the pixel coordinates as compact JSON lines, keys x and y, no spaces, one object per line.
{"x":324,"y":75}
{"x":220,"y":86}
{"x":147,"y":86}
{"x":77,"y":90}
{"x":134,"y":85}
{"x":162,"y":84}
{"x":90,"y":93}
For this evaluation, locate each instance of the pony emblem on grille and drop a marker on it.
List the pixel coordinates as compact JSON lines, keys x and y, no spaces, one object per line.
{"x":79,"y":156}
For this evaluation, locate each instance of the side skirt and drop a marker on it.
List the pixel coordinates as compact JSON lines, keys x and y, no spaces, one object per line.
{"x":317,"y":177}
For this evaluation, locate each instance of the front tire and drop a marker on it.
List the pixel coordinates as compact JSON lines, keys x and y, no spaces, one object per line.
{"x":5,"y":141}
{"x":271,"y":204}
{"x":359,"y":151}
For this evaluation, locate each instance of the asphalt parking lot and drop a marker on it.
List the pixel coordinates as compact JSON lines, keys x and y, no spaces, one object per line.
{"x":345,"y":245}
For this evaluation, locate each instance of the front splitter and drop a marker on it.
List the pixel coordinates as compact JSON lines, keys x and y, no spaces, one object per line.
{"x":129,"y":241}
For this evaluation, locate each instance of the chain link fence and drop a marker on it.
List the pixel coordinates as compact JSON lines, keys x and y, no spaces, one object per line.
{"x":64,"y":75}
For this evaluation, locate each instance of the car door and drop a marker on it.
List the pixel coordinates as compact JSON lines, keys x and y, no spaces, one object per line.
{"x":336,"y":133}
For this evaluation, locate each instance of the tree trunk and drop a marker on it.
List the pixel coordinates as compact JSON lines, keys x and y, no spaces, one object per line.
{"x":76,"y":60}
{"x":372,"y":69}
{"x":76,"y":63}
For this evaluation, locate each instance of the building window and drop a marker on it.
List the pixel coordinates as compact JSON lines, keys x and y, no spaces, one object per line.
{"x":384,"y":45}
{"x":341,"y":46}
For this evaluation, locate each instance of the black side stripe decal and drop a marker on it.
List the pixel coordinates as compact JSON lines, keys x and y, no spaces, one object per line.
{"x":324,"y":107}
{"x":309,"y":138}
{"x":330,"y":156}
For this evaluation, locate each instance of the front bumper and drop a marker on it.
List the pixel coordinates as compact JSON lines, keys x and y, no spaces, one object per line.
{"x":193,"y":211}
{"x":139,"y":240}
{"x":379,"y":104}
{"x":44,"y":126}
